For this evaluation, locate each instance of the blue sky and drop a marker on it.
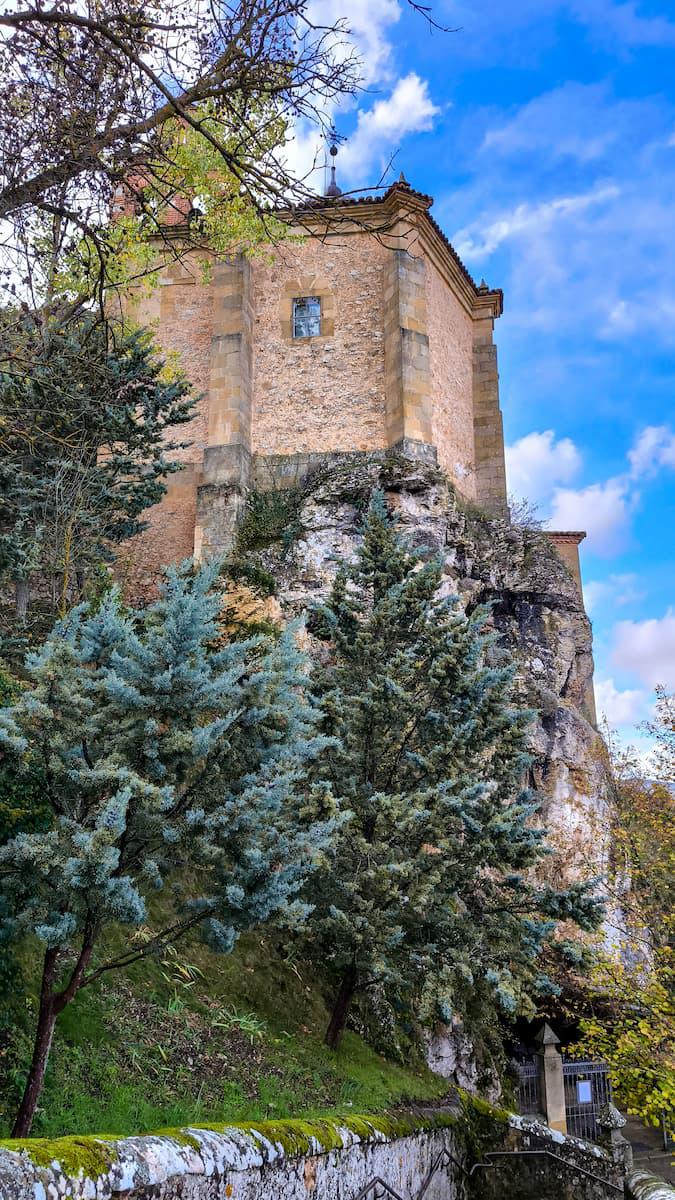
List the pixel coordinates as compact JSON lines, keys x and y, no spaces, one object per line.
{"x":545,"y":130}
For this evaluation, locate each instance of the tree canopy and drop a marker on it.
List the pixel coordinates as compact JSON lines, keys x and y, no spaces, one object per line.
{"x":169,"y":766}
{"x":430,"y":889}
{"x":87,"y":434}
{"x":627,"y":1007}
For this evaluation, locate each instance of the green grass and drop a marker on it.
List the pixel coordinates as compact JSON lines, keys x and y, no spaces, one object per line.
{"x":204,"y":1039}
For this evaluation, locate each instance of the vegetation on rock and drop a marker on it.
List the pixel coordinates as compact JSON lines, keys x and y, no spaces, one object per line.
{"x":628,"y":1012}
{"x":428,"y":889}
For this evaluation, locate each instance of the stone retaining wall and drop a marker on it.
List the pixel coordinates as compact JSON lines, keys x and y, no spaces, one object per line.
{"x":290,"y":1160}
{"x":465,"y":1153}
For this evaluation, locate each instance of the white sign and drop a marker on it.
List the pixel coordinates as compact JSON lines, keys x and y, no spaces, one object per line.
{"x":584,"y":1091}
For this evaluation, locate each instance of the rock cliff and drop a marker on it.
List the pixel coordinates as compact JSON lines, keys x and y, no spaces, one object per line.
{"x":536,"y":605}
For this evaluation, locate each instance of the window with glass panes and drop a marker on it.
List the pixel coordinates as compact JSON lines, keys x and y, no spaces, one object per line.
{"x":306,"y":317}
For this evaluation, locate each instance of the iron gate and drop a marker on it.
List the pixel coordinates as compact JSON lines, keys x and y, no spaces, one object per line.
{"x":529,"y":1088}
{"x":587,"y":1090}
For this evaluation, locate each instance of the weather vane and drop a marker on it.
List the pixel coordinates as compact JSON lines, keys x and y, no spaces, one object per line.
{"x":334,"y":138}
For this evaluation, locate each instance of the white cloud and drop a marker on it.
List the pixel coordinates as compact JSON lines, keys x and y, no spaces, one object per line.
{"x":537,"y":467}
{"x":562,"y":123}
{"x":537,"y":462}
{"x":654,"y":448}
{"x":616,"y":590}
{"x":647,"y":649}
{"x":603,"y":510}
{"x":622,"y":22}
{"x":629,"y":316}
{"x":526,"y":220}
{"x":409,"y":109}
{"x":619,"y":707}
{"x":578,"y":216}
{"x":367,"y":27}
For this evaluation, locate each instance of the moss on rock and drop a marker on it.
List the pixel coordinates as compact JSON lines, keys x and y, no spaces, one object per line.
{"x":483,"y":1126}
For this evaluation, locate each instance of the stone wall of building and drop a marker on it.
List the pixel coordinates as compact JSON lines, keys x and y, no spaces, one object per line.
{"x":327,"y":392}
{"x":404,"y":361}
{"x":450,"y":329}
{"x":180,"y":313}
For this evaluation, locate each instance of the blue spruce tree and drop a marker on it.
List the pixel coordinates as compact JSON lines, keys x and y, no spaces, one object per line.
{"x":168,"y":762}
{"x":429,"y":890}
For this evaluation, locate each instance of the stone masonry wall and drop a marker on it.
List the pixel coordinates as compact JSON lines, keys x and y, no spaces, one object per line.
{"x":179,"y":312}
{"x":489,"y":461}
{"x":451,"y":348}
{"x":321,"y":393}
{"x":396,"y":365}
{"x":332,"y":1162}
{"x":435,"y":1156}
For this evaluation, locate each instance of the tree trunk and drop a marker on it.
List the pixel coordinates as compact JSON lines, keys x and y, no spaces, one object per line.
{"x":21,"y":599}
{"x":51,"y":1004}
{"x":340,"y":1012}
{"x":43,"y":1041}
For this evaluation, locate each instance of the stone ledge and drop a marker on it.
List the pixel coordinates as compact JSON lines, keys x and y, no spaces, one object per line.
{"x":642,"y":1185}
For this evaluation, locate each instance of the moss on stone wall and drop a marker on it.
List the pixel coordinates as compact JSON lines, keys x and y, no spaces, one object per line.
{"x":92,"y":1156}
{"x":483,"y":1126}
{"x":88,"y":1156}
{"x":297,"y":1136}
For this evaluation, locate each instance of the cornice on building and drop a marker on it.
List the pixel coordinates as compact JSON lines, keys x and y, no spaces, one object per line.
{"x":401,"y":215}
{"x":566,"y":535}
{"x":377,"y":215}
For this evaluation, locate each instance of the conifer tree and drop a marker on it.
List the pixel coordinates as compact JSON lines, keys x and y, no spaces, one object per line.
{"x":87,"y":415}
{"x":428,"y":889}
{"x":169,"y":763}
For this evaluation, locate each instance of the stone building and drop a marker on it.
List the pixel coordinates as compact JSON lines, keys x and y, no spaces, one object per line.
{"x":365,"y":334}
{"x":335,"y":350}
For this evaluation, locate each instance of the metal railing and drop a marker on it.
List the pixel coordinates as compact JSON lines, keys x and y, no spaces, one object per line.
{"x":378,"y":1189}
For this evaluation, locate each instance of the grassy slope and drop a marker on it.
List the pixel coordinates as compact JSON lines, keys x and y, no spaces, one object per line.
{"x":203,"y":1038}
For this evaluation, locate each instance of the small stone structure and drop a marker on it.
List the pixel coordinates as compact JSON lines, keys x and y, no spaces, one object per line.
{"x":551,"y":1074}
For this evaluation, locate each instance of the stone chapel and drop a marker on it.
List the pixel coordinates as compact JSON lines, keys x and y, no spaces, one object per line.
{"x":366,"y":334}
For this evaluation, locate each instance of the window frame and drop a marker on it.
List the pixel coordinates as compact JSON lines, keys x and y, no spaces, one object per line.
{"x":313,"y":319}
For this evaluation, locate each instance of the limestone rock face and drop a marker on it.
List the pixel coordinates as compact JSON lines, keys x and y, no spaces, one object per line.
{"x":537,"y":608}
